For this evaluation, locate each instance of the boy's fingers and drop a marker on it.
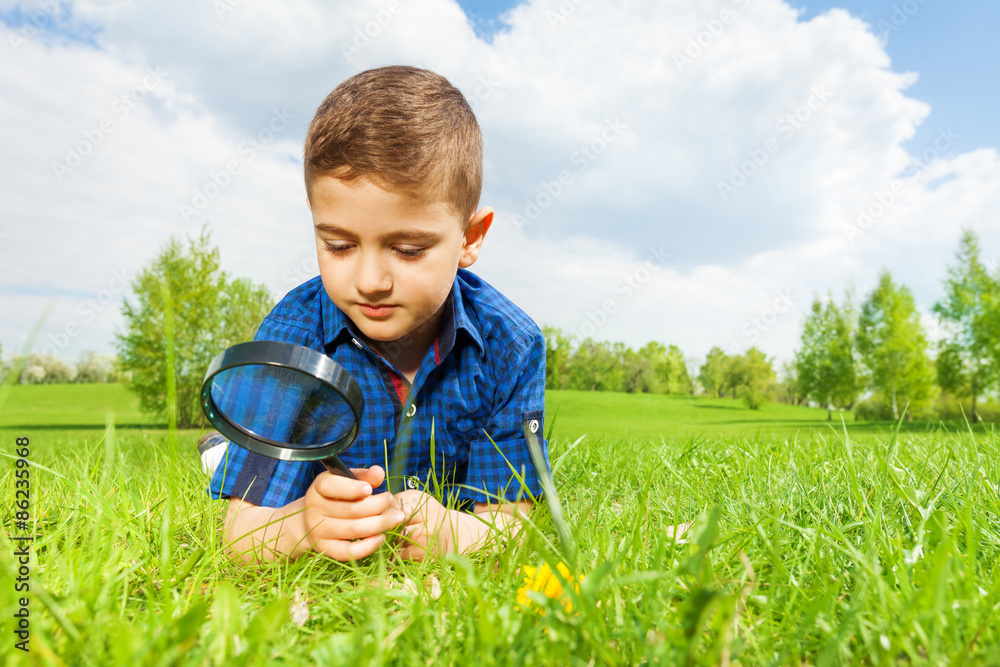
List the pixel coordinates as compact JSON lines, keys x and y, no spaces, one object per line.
{"x":418,"y":506}
{"x":343,"y":550}
{"x":335,"y":487}
{"x":411,"y":501}
{"x":413,"y":552}
{"x":412,"y":544}
{"x":353,"y":539}
{"x":356,"y":509}
{"x":374,"y":475}
{"x":357,"y":529}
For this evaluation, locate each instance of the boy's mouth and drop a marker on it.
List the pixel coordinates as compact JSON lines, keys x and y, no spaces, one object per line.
{"x":376,"y":311}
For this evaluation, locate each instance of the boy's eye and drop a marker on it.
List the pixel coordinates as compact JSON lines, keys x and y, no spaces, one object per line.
{"x":403,"y":251}
{"x":410,"y":253}
{"x":338,"y":248}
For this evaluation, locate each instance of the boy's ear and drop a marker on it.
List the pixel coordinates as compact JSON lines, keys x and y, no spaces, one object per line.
{"x":308,"y":205}
{"x":475,"y":232}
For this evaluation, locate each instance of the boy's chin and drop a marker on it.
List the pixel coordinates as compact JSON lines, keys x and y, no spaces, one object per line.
{"x":393,"y":334}
{"x":385,"y":332}
{"x":380,"y":333}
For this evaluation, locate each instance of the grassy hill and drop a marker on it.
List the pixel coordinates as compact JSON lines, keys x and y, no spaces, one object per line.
{"x":653,"y":415}
{"x":806,"y":549}
{"x":70,"y":406}
{"x":598,"y":414}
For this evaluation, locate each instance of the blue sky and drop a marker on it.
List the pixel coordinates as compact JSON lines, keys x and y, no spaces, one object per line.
{"x":643,"y":190}
{"x":65,"y":26}
{"x":952,"y":44}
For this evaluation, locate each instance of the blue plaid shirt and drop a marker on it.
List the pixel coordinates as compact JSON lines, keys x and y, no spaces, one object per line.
{"x":484,"y":374}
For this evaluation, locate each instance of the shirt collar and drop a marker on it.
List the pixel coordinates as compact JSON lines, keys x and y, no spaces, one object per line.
{"x":335,"y":322}
{"x":454,"y":318}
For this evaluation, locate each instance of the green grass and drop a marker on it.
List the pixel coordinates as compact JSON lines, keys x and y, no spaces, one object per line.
{"x":810,"y":547}
{"x":655,"y":416}
{"x":70,"y":406}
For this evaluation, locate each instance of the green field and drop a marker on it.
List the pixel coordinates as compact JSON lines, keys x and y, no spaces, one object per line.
{"x":614,"y":414}
{"x":596,"y":414}
{"x":811,"y":546}
{"x":70,"y":406}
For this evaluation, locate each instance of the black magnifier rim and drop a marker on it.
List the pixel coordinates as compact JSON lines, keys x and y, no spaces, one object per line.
{"x":298,"y":358}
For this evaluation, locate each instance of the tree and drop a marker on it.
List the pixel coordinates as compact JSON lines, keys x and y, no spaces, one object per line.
{"x":44,"y":369}
{"x":714,"y":372}
{"x":893,"y":346}
{"x":96,"y":368}
{"x":605,"y":366}
{"x":639,"y":369}
{"x":597,"y":366}
{"x":825,"y":366}
{"x":673,"y":373}
{"x":210,"y":312}
{"x":967,"y":359}
{"x":558,"y":357}
{"x":788,"y":388}
{"x":751,"y":376}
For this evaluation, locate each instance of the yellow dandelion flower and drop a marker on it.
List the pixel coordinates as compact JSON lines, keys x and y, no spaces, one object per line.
{"x":543,"y":580}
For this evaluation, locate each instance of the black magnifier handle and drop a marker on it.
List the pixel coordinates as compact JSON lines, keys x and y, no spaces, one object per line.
{"x":336,"y":467}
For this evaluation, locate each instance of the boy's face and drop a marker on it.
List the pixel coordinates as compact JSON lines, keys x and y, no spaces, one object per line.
{"x":387,"y":261}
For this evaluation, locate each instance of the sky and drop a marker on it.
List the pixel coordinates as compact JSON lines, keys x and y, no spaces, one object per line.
{"x":692,"y":173}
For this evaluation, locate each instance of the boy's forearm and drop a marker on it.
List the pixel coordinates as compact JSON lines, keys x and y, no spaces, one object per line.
{"x":255,"y":533}
{"x":503,"y":520}
{"x":484,"y":528}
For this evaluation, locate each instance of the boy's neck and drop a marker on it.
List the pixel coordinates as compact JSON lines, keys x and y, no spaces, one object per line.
{"x":408,"y":353}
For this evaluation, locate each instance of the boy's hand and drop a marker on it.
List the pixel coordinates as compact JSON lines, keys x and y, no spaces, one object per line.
{"x":342,"y":519}
{"x":431,"y":528}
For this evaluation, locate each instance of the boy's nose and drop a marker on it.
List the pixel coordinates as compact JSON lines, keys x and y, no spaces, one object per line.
{"x":372,"y":276}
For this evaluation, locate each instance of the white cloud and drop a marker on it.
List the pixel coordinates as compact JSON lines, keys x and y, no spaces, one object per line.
{"x":605,"y":119}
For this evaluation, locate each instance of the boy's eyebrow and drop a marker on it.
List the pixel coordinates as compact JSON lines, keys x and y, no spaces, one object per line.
{"x":400,"y":234}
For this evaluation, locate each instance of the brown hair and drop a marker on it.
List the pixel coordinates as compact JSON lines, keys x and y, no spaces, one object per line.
{"x":404,"y":128}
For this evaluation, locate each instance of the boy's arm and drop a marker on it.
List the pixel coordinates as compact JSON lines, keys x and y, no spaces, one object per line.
{"x":431,"y":528}
{"x":254,"y":533}
{"x":519,"y":405}
{"x":338,"y":517}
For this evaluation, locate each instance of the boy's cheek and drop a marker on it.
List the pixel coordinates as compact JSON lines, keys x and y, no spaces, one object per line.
{"x":336,"y":283}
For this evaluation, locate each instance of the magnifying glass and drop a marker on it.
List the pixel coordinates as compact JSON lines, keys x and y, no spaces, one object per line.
{"x":284,"y":401}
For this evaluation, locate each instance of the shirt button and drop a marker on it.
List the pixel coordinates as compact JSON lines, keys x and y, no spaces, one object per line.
{"x":412,"y":410}
{"x":533,"y":426}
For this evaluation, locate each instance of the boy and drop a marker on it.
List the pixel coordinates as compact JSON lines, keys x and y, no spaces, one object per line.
{"x":393,"y":172}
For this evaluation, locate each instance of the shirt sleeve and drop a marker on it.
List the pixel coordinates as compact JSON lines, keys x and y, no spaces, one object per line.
{"x":500,"y":466}
{"x":262,"y":480}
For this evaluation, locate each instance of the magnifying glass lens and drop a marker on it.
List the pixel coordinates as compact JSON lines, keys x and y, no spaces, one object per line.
{"x":281,"y":404}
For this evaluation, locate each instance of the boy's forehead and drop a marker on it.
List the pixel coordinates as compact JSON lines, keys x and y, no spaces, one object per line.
{"x":328,"y":193}
{"x":398,"y":232}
